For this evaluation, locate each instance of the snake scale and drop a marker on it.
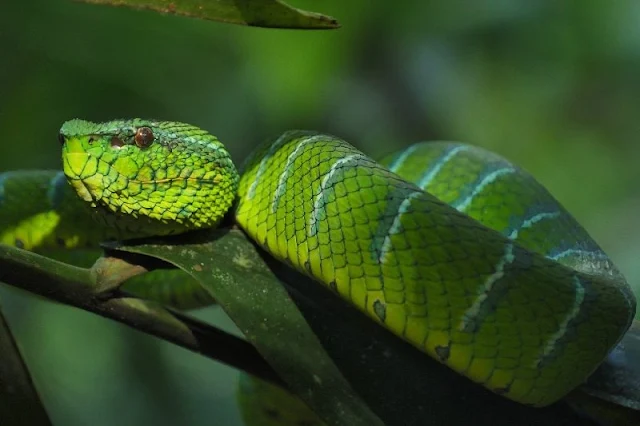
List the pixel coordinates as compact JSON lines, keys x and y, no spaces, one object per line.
{"x":449,"y":246}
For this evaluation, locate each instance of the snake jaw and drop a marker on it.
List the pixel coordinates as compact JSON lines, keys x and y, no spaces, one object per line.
{"x":82,"y":191}
{"x":74,"y":162}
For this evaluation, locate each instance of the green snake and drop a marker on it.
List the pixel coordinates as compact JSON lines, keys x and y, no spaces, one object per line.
{"x":451,"y":247}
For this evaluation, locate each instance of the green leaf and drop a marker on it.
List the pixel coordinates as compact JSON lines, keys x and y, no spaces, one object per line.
{"x":612,"y":393}
{"x":258,"y":13}
{"x":326,"y":350}
{"x":618,"y":378}
{"x":232,"y":270}
{"x":19,"y":400}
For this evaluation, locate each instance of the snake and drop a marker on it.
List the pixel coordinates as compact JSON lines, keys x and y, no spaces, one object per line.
{"x":449,"y":246}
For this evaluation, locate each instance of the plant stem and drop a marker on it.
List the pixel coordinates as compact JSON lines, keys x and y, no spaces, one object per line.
{"x":77,"y":287}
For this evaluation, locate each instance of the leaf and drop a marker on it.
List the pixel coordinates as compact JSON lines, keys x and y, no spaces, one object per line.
{"x":231,"y":269}
{"x":400,"y":384}
{"x":618,"y":378}
{"x":258,"y":13}
{"x":19,"y":400}
{"x":612,"y":393}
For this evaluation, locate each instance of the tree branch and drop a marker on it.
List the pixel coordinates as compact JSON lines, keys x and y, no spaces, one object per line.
{"x":84,"y":289}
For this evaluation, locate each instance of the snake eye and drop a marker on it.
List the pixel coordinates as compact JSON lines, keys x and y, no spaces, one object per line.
{"x":144,"y":137}
{"x":116,"y":142}
{"x":61,"y":138}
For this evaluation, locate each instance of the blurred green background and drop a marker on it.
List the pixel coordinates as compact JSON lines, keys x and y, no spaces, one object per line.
{"x":551,"y":85}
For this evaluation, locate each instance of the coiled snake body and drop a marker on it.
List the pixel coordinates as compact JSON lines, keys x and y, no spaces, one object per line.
{"x":452,"y":248}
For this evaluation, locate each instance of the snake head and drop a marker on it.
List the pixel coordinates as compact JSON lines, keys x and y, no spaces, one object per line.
{"x":148,"y":177}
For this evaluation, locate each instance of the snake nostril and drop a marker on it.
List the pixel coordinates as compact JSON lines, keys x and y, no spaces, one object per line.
{"x":61,"y":138}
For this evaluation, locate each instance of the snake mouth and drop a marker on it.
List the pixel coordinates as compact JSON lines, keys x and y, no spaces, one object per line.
{"x":170,"y":202}
{"x":97,"y":175}
{"x":83,"y":191}
{"x":198,"y":181}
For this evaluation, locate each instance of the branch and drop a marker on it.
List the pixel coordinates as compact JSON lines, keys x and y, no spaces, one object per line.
{"x":84,"y":289}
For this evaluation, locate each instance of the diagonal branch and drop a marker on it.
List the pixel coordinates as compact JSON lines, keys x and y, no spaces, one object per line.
{"x":81,"y":288}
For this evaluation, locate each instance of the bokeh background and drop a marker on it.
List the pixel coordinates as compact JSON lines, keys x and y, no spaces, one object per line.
{"x":551,"y":85}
